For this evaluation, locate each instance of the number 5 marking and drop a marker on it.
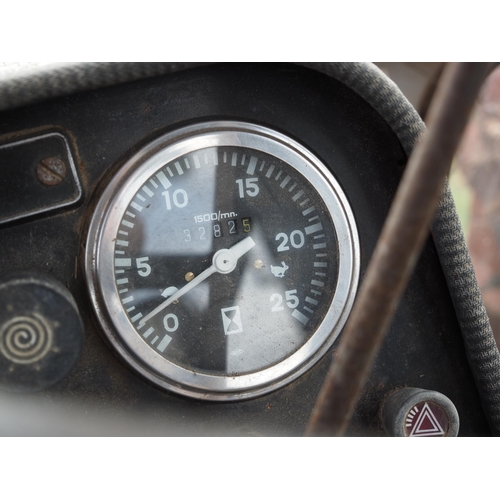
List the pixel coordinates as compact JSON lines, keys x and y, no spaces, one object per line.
{"x":142,"y":268}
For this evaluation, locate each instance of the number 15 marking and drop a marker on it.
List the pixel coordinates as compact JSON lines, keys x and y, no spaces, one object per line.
{"x":252,"y":189}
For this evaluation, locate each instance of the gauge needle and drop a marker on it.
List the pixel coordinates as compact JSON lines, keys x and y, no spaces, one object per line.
{"x":224,"y":261}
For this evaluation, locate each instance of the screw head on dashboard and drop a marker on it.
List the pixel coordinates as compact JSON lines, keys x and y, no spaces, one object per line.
{"x":51,"y":171}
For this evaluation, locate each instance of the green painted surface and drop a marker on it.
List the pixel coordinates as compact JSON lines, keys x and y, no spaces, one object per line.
{"x":462,"y":194}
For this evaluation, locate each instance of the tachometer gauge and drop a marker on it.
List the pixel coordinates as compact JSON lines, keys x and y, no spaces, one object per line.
{"x":222,"y":260}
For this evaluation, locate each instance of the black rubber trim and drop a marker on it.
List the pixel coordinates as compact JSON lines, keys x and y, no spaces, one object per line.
{"x":37,"y":82}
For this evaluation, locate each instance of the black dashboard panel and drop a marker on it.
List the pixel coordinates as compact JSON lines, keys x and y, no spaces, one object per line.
{"x":105,"y":127}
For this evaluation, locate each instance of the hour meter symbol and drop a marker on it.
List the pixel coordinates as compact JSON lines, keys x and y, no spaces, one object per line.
{"x":231,"y":318}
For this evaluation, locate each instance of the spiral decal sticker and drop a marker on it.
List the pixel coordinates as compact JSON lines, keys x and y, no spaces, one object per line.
{"x":25,"y":339}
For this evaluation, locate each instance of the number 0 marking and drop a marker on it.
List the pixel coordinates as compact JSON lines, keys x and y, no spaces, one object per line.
{"x":170,"y":322}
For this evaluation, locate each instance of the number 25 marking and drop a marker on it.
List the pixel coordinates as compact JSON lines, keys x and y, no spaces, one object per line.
{"x":291,"y":298}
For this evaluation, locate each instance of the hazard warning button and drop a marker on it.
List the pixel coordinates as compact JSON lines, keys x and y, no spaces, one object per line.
{"x":413,"y":412}
{"x":427,"y":419}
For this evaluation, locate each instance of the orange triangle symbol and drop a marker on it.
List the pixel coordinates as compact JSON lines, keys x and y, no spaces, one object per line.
{"x":427,"y":424}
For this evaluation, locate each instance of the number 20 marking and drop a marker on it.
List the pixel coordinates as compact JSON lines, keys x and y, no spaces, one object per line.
{"x":297,"y":240}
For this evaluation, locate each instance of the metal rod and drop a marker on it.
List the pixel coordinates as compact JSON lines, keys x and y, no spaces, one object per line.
{"x":398,"y":248}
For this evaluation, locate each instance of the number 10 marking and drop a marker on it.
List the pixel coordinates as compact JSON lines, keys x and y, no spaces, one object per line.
{"x":180,"y":198}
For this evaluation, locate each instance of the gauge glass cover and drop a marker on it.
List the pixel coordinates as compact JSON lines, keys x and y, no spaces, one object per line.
{"x":222,"y":260}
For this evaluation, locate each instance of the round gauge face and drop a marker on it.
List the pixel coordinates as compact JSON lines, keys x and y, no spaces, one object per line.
{"x":222,"y":260}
